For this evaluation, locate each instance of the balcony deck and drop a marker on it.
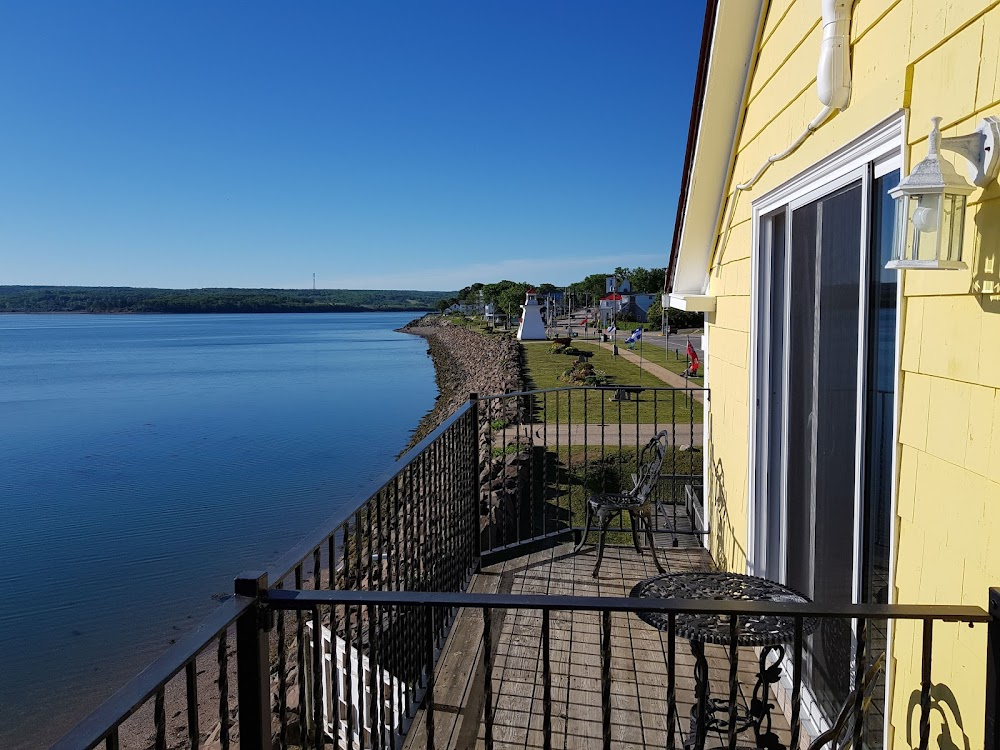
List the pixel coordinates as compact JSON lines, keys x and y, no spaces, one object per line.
{"x":638,"y":659}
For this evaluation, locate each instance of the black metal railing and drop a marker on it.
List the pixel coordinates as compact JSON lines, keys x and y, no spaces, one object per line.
{"x":145,"y":695}
{"x":385,"y":733}
{"x":544,"y":452}
{"x":338,"y":642}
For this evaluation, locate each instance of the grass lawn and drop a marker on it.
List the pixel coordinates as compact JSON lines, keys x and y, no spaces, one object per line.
{"x":593,"y":406}
{"x":653,"y":353}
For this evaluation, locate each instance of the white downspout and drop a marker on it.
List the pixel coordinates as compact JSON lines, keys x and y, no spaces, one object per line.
{"x":833,"y":78}
{"x":833,"y":85}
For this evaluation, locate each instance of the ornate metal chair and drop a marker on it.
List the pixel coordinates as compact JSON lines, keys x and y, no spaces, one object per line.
{"x":841,"y":735}
{"x":638,"y":501}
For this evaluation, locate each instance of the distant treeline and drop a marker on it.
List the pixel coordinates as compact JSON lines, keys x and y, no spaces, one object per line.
{"x":93,"y":299}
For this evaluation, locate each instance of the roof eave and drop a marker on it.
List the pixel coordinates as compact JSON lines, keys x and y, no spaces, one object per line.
{"x":721,"y":91}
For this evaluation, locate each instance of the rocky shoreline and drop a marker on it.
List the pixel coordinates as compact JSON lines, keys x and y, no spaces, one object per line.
{"x":464,"y":362}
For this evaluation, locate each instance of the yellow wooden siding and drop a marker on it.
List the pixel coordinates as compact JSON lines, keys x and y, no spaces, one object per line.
{"x":935,"y":58}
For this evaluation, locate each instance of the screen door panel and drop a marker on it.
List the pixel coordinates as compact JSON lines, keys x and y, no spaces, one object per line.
{"x":822,"y":413}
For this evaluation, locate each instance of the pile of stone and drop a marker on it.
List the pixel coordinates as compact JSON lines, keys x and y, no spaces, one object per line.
{"x":466,"y":362}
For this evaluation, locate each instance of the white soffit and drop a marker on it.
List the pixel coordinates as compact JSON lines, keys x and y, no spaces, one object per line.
{"x":689,"y":302}
{"x":733,"y":50}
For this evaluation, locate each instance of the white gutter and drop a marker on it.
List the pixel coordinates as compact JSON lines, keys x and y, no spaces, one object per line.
{"x":738,"y":28}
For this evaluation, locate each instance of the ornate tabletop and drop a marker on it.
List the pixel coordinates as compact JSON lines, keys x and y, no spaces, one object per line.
{"x":764,"y":630}
{"x":753,"y":630}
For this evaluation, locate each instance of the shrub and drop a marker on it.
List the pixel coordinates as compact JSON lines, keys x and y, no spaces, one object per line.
{"x":583,"y":373}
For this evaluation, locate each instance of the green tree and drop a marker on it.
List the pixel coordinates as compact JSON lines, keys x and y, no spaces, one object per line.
{"x":654,"y":314}
{"x":512,"y":297}
{"x":594,"y":285}
{"x":491,"y":292}
{"x":682,"y":319}
{"x":470,"y":293}
{"x":442,"y":305}
{"x":625,"y":317}
{"x":646,"y":280}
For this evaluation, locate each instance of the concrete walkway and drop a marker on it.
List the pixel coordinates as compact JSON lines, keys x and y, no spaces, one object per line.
{"x":552,"y":435}
{"x":657,"y":371}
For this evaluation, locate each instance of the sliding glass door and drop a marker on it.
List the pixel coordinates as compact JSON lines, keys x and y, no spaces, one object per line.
{"x":822,"y":474}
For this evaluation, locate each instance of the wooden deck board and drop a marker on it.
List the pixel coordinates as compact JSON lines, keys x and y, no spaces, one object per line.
{"x":638,"y":661}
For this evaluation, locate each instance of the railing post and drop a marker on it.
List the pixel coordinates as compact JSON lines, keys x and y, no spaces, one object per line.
{"x":253,"y":673}
{"x":476,"y":488}
{"x":992,"y":733}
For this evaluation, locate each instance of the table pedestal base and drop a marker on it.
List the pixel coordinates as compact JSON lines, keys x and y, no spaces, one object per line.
{"x":712,"y":714}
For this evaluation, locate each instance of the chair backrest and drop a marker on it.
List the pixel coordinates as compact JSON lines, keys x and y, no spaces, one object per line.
{"x":650,"y":463}
{"x":841,"y":735}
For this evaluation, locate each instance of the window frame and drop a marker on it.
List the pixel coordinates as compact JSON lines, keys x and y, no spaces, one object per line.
{"x":880,"y":150}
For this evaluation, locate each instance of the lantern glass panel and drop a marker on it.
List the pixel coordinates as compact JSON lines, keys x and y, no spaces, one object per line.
{"x":953,"y":224}
{"x":900,"y":234}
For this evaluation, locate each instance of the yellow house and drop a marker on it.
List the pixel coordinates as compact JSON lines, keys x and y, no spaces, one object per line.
{"x":853,"y":434}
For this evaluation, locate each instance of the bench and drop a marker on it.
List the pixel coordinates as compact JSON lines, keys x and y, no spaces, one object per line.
{"x":624,"y":393}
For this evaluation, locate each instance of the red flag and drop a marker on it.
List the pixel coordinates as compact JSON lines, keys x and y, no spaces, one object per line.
{"x":693,"y":356}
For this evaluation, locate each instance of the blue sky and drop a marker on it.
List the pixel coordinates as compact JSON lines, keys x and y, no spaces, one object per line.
{"x":416,"y":144}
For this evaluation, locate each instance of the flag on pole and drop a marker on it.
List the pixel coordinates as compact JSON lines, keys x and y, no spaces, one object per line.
{"x":693,"y":356}
{"x":611,"y":329}
{"x":636,"y":335}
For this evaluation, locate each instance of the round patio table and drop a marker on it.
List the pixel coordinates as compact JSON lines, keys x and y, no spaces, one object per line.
{"x":766,"y":631}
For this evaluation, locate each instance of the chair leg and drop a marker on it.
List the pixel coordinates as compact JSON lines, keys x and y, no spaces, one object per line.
{"x":652,"y":545}
{"x":605,"y":521}
{"x":634,"y":522}
{"x":586,"y":531}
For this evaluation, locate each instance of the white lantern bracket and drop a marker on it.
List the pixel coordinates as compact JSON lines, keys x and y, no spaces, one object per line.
{"x":979,"y":149}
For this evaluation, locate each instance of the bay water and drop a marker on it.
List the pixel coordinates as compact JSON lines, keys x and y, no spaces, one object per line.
{"x":146,"y":460}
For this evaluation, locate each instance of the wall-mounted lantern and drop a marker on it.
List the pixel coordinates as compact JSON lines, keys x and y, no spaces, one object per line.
{"x":930,"y":201}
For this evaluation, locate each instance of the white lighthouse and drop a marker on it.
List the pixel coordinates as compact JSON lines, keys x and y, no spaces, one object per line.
{"x":531,"y":327}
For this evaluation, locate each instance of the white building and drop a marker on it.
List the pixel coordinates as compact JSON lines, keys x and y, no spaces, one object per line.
{"x":613,"y":286}
{"x":531,"y":328}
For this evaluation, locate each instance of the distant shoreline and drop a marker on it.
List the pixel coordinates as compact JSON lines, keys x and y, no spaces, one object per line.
{"x":112,"y":300}
{"x":415,"y":310}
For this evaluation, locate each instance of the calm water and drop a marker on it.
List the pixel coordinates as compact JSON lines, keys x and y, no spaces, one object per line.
{"x":146,"y":460}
